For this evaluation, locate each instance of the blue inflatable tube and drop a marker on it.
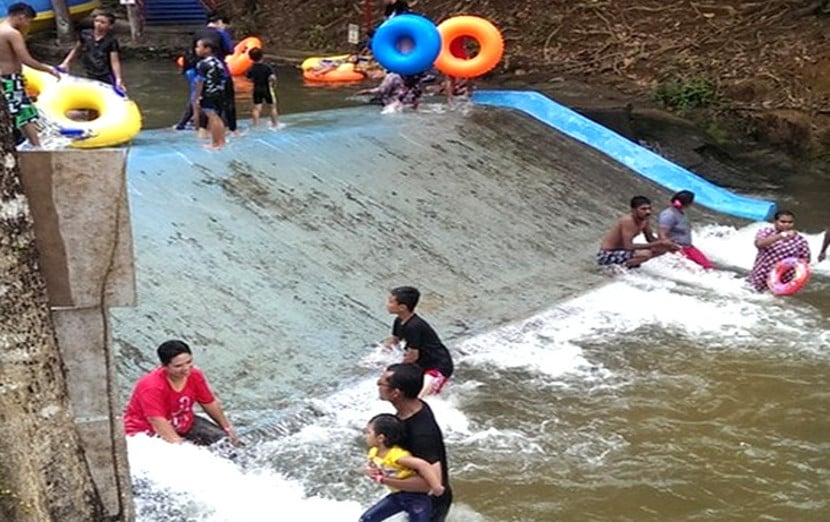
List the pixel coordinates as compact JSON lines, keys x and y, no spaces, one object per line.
{"x":637,"y":158}
{"x":392,"y":33}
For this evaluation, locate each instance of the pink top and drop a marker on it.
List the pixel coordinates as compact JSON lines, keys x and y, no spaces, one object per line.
{"x":153,"y":396}
{"x":769,"y":256}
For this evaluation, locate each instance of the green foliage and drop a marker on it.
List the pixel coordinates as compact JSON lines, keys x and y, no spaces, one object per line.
{"x":247,"y":24}
{"x":319,"y":38}
{"x":683,"y":96}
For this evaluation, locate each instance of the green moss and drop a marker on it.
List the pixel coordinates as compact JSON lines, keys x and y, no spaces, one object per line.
{"x":684,"y":96}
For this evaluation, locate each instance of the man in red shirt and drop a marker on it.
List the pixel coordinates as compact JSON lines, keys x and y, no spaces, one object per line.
{"x":162,"y":401}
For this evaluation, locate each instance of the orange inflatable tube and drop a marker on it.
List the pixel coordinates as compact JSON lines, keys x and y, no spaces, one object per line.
{"x":343,"y":73}
{"x":488,"y":37}
{"x":239,"y":62}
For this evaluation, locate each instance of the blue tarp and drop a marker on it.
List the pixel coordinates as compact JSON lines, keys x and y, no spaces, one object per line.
{"x":635,"y":157}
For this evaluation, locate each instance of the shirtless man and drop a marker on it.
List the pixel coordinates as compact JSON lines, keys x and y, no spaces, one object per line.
{"x":13,"y":54}
{"x":618,"y":247}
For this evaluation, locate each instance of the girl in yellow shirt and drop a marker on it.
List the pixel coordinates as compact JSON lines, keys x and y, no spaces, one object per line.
{"x":388,"y":462}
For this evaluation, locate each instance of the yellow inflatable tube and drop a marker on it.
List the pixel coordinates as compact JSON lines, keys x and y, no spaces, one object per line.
{"x":118,"y":121}
{"x":314,"y":61}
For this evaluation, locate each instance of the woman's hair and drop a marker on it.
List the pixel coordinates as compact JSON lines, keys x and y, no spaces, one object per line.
{"x":683,"y":198}
{"x":389,"y":426}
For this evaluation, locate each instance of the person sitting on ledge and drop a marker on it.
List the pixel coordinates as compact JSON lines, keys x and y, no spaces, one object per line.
{"x":618,"y":247}
{"x":163,"y":399}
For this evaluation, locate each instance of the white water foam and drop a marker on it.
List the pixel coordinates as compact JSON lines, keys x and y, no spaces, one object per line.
{"x":210,"y":488}
{"x":710,"y":309}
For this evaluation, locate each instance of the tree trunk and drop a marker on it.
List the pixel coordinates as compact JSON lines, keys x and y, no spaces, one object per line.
{"x":43,"y":474}
{"x":63,"y":23}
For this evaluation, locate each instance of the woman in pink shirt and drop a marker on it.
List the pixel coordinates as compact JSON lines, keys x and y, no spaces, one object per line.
{"x":162,"y":401}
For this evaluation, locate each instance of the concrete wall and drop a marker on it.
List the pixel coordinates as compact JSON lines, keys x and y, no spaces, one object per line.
{"x":82,"y":228}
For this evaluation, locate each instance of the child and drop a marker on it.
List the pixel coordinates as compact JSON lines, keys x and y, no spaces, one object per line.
{"x":388,"y":463}
{"x":209,"y":95}
{"x":99,"y":51}
{"x":423,"y":347}
{"x":265,"y":86}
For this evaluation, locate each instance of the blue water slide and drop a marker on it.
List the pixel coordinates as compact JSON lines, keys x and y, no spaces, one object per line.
{"x":637,"y":158}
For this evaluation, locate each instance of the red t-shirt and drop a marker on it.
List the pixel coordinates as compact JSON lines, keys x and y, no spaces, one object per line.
{"x":154,"y":397}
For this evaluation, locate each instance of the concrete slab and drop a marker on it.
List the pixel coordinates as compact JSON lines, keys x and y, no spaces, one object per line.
{"x":273,"y":257}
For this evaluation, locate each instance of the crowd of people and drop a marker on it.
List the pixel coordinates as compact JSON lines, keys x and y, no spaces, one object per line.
{"x":774,"y":243}
{"x":406,"y":450}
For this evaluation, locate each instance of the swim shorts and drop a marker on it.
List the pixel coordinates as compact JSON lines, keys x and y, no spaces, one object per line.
{"x":614,"y":257}
{"x":438,"y":380}
{"x":213,"y":104}
{"x":21,"y":108}
{"x":263,"y":96}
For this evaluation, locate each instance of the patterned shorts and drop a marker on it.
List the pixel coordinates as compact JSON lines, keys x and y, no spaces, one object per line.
{"x":21,"y":108}
{"x":614,"y":257}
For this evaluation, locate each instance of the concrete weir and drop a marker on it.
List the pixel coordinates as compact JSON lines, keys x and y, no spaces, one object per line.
{"x":84,"y":238}
{"x":274,"y":255}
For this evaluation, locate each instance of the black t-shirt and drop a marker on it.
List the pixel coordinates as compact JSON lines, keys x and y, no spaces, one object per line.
{"x":396,"y":8}
{"x":423,"y":438}
{"x":419,"y":334}
{"x":212,"y":73}
{"x":95,"y":54}
{"x":259,"y":74}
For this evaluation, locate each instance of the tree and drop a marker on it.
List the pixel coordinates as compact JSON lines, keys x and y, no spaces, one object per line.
{"x":43,"y":474}
{"x":63,"y":22}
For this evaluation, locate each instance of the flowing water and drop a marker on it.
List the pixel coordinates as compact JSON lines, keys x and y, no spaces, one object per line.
{"x":661,"y":394}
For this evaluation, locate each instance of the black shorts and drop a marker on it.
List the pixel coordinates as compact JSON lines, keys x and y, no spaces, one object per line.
{"x":213,"y":104}
{"x":263,"y":96}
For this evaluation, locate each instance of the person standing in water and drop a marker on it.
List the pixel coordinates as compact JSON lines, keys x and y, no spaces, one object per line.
{"x":775,"y":243}
{"x":674,"y":225}
{"x":422,"y":346}
{"x":99,"y":51}
{"x":399,"y":385}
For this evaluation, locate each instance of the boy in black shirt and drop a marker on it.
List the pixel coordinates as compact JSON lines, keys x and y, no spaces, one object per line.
{"x":265,"y":87}
{"x":99,"y":51}
{"x":209,"y":95}
{"x":422,"y":345}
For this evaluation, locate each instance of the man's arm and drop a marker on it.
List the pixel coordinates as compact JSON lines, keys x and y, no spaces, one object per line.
{"x":824,"y":244}
{"x":431,"y":474}
{"x":19,"y":48}
{"x":215,"y":411}
{"x":411,"y":355}
{"x":165,"y":429}
{"x":415,"y":483}
{"x":65,"y":64}
{"x":115,"y":63}
{"x":629,"y":229}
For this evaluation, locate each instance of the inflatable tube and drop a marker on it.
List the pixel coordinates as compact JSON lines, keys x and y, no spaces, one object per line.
{"x":314,"y":62}
{"x":37,"y":81}
{"x":343,"y":73}
{"x":490,"y":42}
{"x":800,"y":276}
{"x":118,"y":121}
{"x":239,"y":62}
{"x":420,"y":31}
